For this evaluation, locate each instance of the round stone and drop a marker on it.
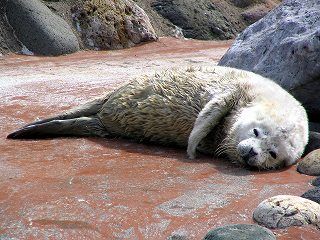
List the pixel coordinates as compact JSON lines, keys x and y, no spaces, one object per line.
{"x":284,"y":211}
{"x":240,"y":232}
{"x":310,"y":165}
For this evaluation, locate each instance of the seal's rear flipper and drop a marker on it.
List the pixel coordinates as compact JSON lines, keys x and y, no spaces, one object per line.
{"x":86,"y":110}
{"x":82,"y":126}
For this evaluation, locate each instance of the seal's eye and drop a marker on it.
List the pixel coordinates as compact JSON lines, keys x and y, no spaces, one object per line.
{"x":273,"y":154}
{"x":255,"y":131}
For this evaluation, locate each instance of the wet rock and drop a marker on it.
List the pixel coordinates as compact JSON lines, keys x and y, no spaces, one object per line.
{"x":240,"y":232}
{"x":312,"y":194}
{"x":313,"y":143}
{"x":284,"y":211}
{"x":110,"y":24}
{"x":284,"y":46}
{"x":195,"y":18}
{"x":200,"y":19}
{"x":316,"y":182}
{"x":310,"y":164}
{"x":40,"y":30}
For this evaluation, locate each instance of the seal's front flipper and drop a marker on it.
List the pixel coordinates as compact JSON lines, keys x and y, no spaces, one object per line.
{"x":83,"y":126}
{"x":210,"y":116}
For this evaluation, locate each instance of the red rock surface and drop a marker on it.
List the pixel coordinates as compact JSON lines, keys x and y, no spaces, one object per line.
{"x":74,"y":188}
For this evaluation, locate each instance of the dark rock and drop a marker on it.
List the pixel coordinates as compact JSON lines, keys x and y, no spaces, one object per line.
{"x":312,"y":194}
{"x":284,"y":46}
{"x":313,"y":144}
{"x":40,"y":30}
{"x":8,"y":40}
{"x":243,"y":3}
{"x":310,"y":164}
{"x":112,"y":24}
{"x":240,"y":232}
{"x":177,"y":237}
{"x":316,"y":182}
{"x":200,"y":19}
{"x":200,"y":16}
{"x":254,"y":14}
{"x":314,"y":126}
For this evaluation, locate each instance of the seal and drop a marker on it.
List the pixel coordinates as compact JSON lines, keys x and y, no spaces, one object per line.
{"x":222,"y":111}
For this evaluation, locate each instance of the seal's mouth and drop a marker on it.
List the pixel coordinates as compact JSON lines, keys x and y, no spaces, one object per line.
{"x":253,"y":165}
{"x":249,"y":164}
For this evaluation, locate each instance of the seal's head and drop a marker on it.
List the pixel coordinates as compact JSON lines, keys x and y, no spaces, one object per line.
{"x":266,"y":138}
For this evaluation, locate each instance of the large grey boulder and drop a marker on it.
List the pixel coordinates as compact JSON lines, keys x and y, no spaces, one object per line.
{"x":39,"y":29}
{"x":107,"y":24}
{"x":284,"y":46}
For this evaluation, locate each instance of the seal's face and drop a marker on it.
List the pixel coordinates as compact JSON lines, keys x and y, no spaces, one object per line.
{"x":265,"y":141}
{"x":262,"y":147}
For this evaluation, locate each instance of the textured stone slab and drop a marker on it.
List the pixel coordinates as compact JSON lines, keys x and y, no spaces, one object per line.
{"x":284,"y":211}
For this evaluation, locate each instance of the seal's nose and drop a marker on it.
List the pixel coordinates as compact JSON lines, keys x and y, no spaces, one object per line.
{"x":249,"y":155}
{"x":252,"y":152}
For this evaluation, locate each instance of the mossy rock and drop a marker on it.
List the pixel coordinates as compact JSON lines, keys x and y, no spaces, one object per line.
{"x":107,"y":24}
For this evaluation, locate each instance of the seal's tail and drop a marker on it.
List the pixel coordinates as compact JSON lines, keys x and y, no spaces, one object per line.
{"x":81,"y":121}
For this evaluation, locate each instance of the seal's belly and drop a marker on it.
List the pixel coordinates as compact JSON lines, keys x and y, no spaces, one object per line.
{"x":158,"y":109}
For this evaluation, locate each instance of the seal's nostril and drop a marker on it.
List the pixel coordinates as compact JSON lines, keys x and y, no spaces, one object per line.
{"x":252,"y":153}
{"x":248,"y":157}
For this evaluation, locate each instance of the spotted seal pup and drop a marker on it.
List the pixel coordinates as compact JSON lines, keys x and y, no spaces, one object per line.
{"x":222,"y":111}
